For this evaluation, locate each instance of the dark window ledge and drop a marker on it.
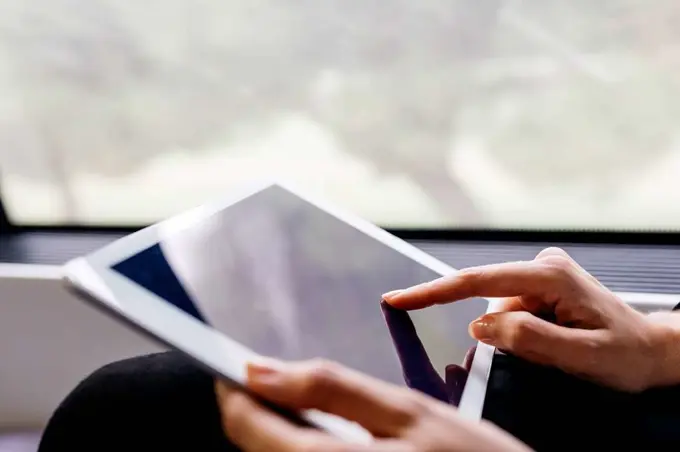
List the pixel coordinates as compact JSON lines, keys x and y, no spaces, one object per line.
{"x":634,"y":266}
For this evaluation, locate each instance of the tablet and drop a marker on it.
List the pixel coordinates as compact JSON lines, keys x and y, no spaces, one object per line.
{"x":275,"y":272}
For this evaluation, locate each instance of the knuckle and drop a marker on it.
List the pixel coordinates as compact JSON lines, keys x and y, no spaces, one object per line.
{"x":552,"y":251}
{"x":428,"y":291}
{"x":410,"y":406}
{"x":523,"y":334}
{"x":432,"y":291}
{"x":559,"y":267}
{"x":469,"y":277}
{"x":323,"y":371}
{"x":321,"y":378}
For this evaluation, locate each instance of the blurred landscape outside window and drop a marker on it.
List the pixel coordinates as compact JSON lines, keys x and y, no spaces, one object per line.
{"x":430,"y":114}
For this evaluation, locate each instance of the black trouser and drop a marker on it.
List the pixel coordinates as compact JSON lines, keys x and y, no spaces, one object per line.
{"x":160,"y":402}
{"x":163,"y":402}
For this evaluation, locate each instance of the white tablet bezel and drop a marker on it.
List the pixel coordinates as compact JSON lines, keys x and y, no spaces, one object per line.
{"x":93,"y":275}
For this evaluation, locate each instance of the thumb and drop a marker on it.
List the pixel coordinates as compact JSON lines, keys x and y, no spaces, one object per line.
{"x":534,"y":339}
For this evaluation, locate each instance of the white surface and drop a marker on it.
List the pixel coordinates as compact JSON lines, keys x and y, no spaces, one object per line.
{"x":49,"y":341}
{"x":93,"y":274}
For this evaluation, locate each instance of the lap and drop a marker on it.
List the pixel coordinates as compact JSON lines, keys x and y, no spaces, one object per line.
{"x":164,"y":401}
{"x":145,"y":403}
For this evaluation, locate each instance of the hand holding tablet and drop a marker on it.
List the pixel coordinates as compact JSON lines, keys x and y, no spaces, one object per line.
{"x":274,"y":273}
{"x":399,"y":420}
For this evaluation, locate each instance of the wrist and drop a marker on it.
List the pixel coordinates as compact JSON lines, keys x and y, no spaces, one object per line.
{"x":665,"y":353}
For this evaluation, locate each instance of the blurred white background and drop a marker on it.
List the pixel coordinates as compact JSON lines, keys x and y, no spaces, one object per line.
{"x":493,"y":113}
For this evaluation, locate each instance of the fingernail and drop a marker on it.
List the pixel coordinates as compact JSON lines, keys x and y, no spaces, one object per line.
{"x":483,"y":329}
{"x":389,"y":296}
{"x":264,"y":371}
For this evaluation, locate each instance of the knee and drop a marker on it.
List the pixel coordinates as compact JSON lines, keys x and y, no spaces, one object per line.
{"x":134,"y":384}
{"x":140,"y":397}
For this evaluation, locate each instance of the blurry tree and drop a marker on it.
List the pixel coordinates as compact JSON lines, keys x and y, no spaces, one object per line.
{"x":398,"y":87}
{"x":585,"y":134}
{"x":107,"y":85}
{"x":110,"y":86}
{"x":610,"y":111}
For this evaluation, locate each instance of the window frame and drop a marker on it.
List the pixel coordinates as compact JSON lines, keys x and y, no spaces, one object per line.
{"x":583,"y":236}
{"x":6,"y":226}
{"x":661,"y":238}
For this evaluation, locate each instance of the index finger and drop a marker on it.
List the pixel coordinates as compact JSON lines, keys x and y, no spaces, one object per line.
{"x":497,"y":280}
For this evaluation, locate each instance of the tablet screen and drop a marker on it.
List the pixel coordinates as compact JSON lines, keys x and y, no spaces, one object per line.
{"x":287,"y":279}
